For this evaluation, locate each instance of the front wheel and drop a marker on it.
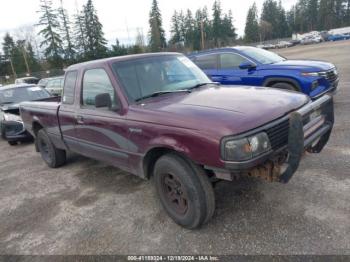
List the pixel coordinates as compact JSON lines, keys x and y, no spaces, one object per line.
{"x":184,"y":191}
{"x":53,"y":156}
{"x":285,"y":86}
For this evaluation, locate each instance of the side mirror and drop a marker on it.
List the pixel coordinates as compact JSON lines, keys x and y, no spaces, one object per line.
{"x":103,"y":100}
{"x":247,"y":65}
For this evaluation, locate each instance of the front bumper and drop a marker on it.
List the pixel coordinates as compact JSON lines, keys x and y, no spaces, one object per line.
{"x":332,"y":89}
{"x":14,"y":131}
{"x":307,"y":131}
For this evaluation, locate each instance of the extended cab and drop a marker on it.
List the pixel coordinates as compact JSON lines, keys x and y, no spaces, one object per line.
{"x":158,"y":115}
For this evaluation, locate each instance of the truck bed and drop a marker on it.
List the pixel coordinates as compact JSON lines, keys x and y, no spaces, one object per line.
{"x":41,"y":113}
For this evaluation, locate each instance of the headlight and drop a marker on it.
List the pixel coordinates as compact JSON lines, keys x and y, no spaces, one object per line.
{"x":246,"y":148}
{"x":311,"y":73}
{"x":320,"y":74}
{"x":12,"y":117}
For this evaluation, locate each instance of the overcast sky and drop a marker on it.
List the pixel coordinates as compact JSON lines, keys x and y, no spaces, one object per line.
{"x":121,"y":18}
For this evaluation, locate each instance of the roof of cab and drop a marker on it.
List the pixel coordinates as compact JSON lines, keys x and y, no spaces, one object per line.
{"x":118,"y":58}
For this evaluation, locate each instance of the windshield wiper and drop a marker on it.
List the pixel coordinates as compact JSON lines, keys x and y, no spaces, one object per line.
{"x":202,"y":84}
{"x":155,"y":94}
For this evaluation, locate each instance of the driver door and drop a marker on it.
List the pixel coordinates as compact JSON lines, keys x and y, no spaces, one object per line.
{"x":102,"y":131}
{"x":230,"y":73}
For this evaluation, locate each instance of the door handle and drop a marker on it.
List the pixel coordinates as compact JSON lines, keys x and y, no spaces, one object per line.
{"x":80,"y":119}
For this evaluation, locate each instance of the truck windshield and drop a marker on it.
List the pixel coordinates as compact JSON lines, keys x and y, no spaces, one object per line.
{"x":162,"y":74}
{"x":21,"y":94}
{"x":261,"y":55}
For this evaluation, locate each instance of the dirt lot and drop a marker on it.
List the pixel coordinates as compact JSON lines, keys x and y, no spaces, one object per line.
{"x":87,"y":207}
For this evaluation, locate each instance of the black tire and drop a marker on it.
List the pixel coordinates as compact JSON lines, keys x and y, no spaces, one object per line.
{"x":12,"y":143}
{"x":53,"y":156}
{"x":284,"y":86}
{"x":184,"y":191}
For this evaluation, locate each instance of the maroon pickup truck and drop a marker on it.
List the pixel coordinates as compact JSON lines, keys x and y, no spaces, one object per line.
{"x":158,"y":115}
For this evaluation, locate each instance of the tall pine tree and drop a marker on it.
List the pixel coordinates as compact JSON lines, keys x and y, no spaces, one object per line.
{"x":156,"y":34}
{"x":176,"y":34}
{"x":95,"y":41}
{"x":69,"y":52}
{"x":217,"y":23}
{"x":79,"y":35}
{"x":8,"y":47}
{"x":251,"y":31}
{"x":50,"y":28}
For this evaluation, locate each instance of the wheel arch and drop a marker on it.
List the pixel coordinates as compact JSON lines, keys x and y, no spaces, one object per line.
{"x":152,"y":155}
{"x":36,"y":126}
{"x":273,"y":80}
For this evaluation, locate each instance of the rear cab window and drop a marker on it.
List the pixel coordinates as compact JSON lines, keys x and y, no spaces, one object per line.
{"x":69,"y":87}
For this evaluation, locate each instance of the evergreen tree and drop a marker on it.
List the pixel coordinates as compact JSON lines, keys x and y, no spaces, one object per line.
{"x":251,"y":31}
{"x":80,"y":35}
{"x":347,"y":13}
{"x":50,"y":27}
{"x":282,"y":25}
{"x":156,"y":34}
{"x":201,"y":26}
{"x":32,"y":60}
{"x":95,"y":41}
{"x":326,"y":18}
{"x":8,"y":47}
{"x":228,"y":29}
{"x":118,"y":49}
{"x":69,"y":52}
{"x":175,"y":30}
{"x":217,"y":23}
{"x":311,"y":14}
{"x":189,"y":29}
{"x":270,"y":14}
{"x":206,"y":23}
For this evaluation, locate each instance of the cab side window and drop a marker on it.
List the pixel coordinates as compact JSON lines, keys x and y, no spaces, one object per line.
{"x":96,"y":82}
{"x":231,"y":61}
{"x":69,"y":87}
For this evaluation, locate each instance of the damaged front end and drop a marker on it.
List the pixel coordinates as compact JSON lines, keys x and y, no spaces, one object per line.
{"x":305,"y":130}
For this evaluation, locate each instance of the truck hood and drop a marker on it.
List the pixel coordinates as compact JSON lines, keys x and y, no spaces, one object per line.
{"x":307,"y":65}
{"x":229,"y":109}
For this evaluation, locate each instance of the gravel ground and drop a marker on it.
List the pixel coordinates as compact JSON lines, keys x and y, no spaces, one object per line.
{"x":87,"y":207}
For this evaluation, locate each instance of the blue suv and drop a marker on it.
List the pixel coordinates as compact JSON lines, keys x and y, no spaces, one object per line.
{"x":245,"y":65}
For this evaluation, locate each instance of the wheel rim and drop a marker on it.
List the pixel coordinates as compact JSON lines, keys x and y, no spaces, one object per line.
{"x":44,"y":150}
{"x":174,"y":193}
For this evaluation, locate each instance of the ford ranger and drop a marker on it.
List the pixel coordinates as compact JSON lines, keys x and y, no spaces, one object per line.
{"x":159,"y":116}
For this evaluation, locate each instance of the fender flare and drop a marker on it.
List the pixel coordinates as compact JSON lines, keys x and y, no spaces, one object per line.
{"x":161,"y":146}
{"x":284,"y":80}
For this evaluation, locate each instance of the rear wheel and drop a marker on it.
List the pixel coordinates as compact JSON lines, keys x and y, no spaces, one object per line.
{"x":184,"y":191}
{"x":285,"y":86}
{"x":53,"y":156}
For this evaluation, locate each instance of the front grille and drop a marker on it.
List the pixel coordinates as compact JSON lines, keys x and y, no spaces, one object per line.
{"x":278,"y":134}
{"x":331,"y":75}
{"x":13,"y":128}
